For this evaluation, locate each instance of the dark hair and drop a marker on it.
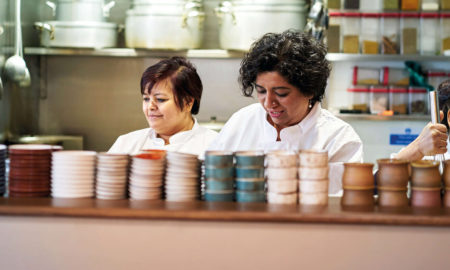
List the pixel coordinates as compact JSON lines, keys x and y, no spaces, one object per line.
{"x":186,"y":84}
{"x":444,"y":99}
{"x":296,"y":56}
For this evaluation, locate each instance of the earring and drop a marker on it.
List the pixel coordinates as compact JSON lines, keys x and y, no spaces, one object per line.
{"x":310,"y":104}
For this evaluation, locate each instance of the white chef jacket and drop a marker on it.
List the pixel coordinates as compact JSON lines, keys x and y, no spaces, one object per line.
{"x":248,"y":129}
{"x":194,"y":141}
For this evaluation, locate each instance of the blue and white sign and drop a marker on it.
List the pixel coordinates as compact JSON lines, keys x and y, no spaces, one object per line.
{"x":403,"y":136}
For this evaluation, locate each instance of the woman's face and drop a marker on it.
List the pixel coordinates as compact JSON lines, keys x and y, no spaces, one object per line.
{"x":162,"y":112}
{"x":283,"y":102}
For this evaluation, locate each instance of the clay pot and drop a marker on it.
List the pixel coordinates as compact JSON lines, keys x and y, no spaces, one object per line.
{"x":358,"y":197}
{"x":426,"y":197}
{"x":425,"y":173}
{"x":447,"y":198}
{"x":392,"y":198}
{"x":357,"y":176}
{"x":446,"y":173}
{"x":393,"y":173}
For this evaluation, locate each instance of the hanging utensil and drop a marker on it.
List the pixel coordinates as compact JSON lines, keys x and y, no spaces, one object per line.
{"x":15,"y":67}
{"x":435,"y":119}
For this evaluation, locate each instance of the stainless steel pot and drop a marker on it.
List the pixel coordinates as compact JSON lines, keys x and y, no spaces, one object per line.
{"x":157,"y":25}
{"x":77,"y":34}
{"x":80,"y":10}
{"x":243,"y":22}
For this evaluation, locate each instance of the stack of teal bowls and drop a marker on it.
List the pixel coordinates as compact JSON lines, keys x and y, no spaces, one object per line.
{"x":250,"y":176}
{"x":219,"y":176}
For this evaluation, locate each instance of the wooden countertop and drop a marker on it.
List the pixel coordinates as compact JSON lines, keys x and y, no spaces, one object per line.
{"x":334,"y":213}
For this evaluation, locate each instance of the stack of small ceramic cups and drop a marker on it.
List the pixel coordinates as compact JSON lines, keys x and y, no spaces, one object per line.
{"x":250,"y":176}
{"x":112,"y":176}
{"x":313,"y":175}
{"x":425,"y":184}
{"x":392,"y":182}
{"x":182,"y":177}
{"x":2,"y":169}
{"x":281,"y":173}
{"x":73,"y":174}
{"x":219,"y":176}
{"x":147,"y":174}
{"x":358,"y":183}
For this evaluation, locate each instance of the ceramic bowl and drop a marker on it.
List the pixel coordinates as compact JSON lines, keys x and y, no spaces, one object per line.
{"x":426,"y":197}
{"x":447,"y":198}
{"x":315,"y":186}
{"x":282,"y":186}
{"x":425,"y":173}
{"x":446,"y":173}
{"x":281,"y":173}
{"x":320,"y":198}
{"x":249,"y":196}
{"x":246,"y":184}
{"x":313,"y":173}
{"x":219,"y":173}
{"x":389,"y":198}
{"x":312,"y":158}
{"x":281,"y":159}
{"x":393,"y":173}
{"x":249,"y":158}
{"x":219,"y":158}
{"x":223,"y":196}
{"x":277,"y":198}
{"x":213,"y":184}
{"x":358,"y":198}
{"x":249,"y":172}
{"x":358,"y":175}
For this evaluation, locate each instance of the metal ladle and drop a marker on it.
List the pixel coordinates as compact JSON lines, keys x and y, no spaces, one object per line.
{"x":15,"y":67}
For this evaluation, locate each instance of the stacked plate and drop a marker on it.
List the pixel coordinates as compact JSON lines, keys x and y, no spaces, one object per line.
{"x":182,"y":177}
{"x":29,"y":173}
{"x":73,"y":174}
{"x":2,"y":169}
{"x":313,"y":174}
{"x":281,"y":175}
{"x":112,"y":176}
{"x":147,"y":174}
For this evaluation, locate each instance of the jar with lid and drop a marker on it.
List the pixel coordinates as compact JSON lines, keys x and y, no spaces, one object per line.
{"x":429,"y":33}
{"x":418,"y":100}
{"x":391,"y":5}
{"x":370,"y":5}
{"x":409,"y":35}
{"x":410,"y":5}
{"x":398,"y":97}
{"x":360,"y":98}
{"x":334,"y":4}
{"x":395,"y":76}
{"x":351,"y":4}
{"x":429,"y":5}
{"x":370,"y":33}
{"x":390,"y":33}
{"x":350,"y":32}
{"x":379,"y":99}
{"x":366,"y":76}
{"x":445,"y":4}
{"x":445,"y":33}
{"x":435,"y":77}
{"x":334,"y":32}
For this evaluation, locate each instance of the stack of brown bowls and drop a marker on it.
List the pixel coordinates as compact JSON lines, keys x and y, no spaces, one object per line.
{"x":426,"y":184}
{"x":358,"y":184}
{"x":392,"y":180}
{"x":313,"y":175}
{"x":446,"y":180}
{"x":29,"y":173}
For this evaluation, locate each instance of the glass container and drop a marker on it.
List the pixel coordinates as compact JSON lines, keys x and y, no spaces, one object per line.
{"x":390,"y":33}
{"x":395,"y":76}
{"x":410,"y":5}
{"x":370,"y":33}
{"x":435,"y":77}
{"x":429,"y":5}
{"x":350,"y":32}
{"x":418,"y":100}
{"x":398,"y":97}
{"x":371,"y":5}
{"x":445,"y":4}
{"x":366,"y":76}
{"x":445,"y":33}
{"x":334,"y":4}
{"x":409,"y":35}
{"x":391,"y":5}
{"x":429,"y":33}
{"x":334,"y":32}
{"x":360,"y":96}
{"x":379,"y":99}
{"x":351,"y":4}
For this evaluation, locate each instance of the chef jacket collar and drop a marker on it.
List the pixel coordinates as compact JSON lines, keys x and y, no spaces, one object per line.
{"x":180,"y":137}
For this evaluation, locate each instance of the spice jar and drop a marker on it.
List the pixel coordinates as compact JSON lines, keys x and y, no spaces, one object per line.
{"x":379,"y":99}
{"x":350,"y":32}
{"x":395,"y":76}
{"x":391,"y":4}
{"x":351,"y":4}
{"x":334,"y":4}
{"x":425,"y":174}
{"x":409,"y":35}
{"x":358,"y":176}
{"x":360,"y":98}
{"x":410,"y":5}
{"x":445,"y":4}
{"x":429,"y":29}
{"x":393,"y":173}
{"x":370,"y":5}
{"x":334,"y":32}
{"x":435,"y":77}
{"x":398,"y":97}
{"x":370,"y":32}
{"x":430,"y":5}
{"x":390,"y":33}
{"x":365,"y":76}
{"x":418,"y":100}
{"x":445,"y":33}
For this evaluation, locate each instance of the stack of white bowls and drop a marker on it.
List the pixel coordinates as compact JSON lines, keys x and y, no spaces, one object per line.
{"x":147,"y":174}
{"x":73,"y":174}
{"x":281,"y":173}
{"x":112,"y":176}
{"x":182,"y":177}
{"x":313,"y":174}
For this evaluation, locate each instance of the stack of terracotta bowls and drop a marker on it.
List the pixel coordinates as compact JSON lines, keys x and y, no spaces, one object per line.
{"x":2,"y":169}
{"x":425,"y":184}
{"x":29,"y":173}
{"x":147,"y":174}
{"x":182,"y":177}
{"x":313,"y":175}
{"x":250,"y":176}
{"x":392,"y":182}
{"x":358,"y":183}
{"x":73,"y":174}
{"x":219,"y":176}
{"x":282,"y":180}
{"x":446,"y":180}
{"x":112,"y":176}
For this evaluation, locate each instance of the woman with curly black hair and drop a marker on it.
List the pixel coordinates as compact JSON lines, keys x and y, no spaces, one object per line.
{"x":289,"y":73}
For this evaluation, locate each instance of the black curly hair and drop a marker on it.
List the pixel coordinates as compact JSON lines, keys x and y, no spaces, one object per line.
{"x":444,"y":100}
{"x":296,"y":56}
